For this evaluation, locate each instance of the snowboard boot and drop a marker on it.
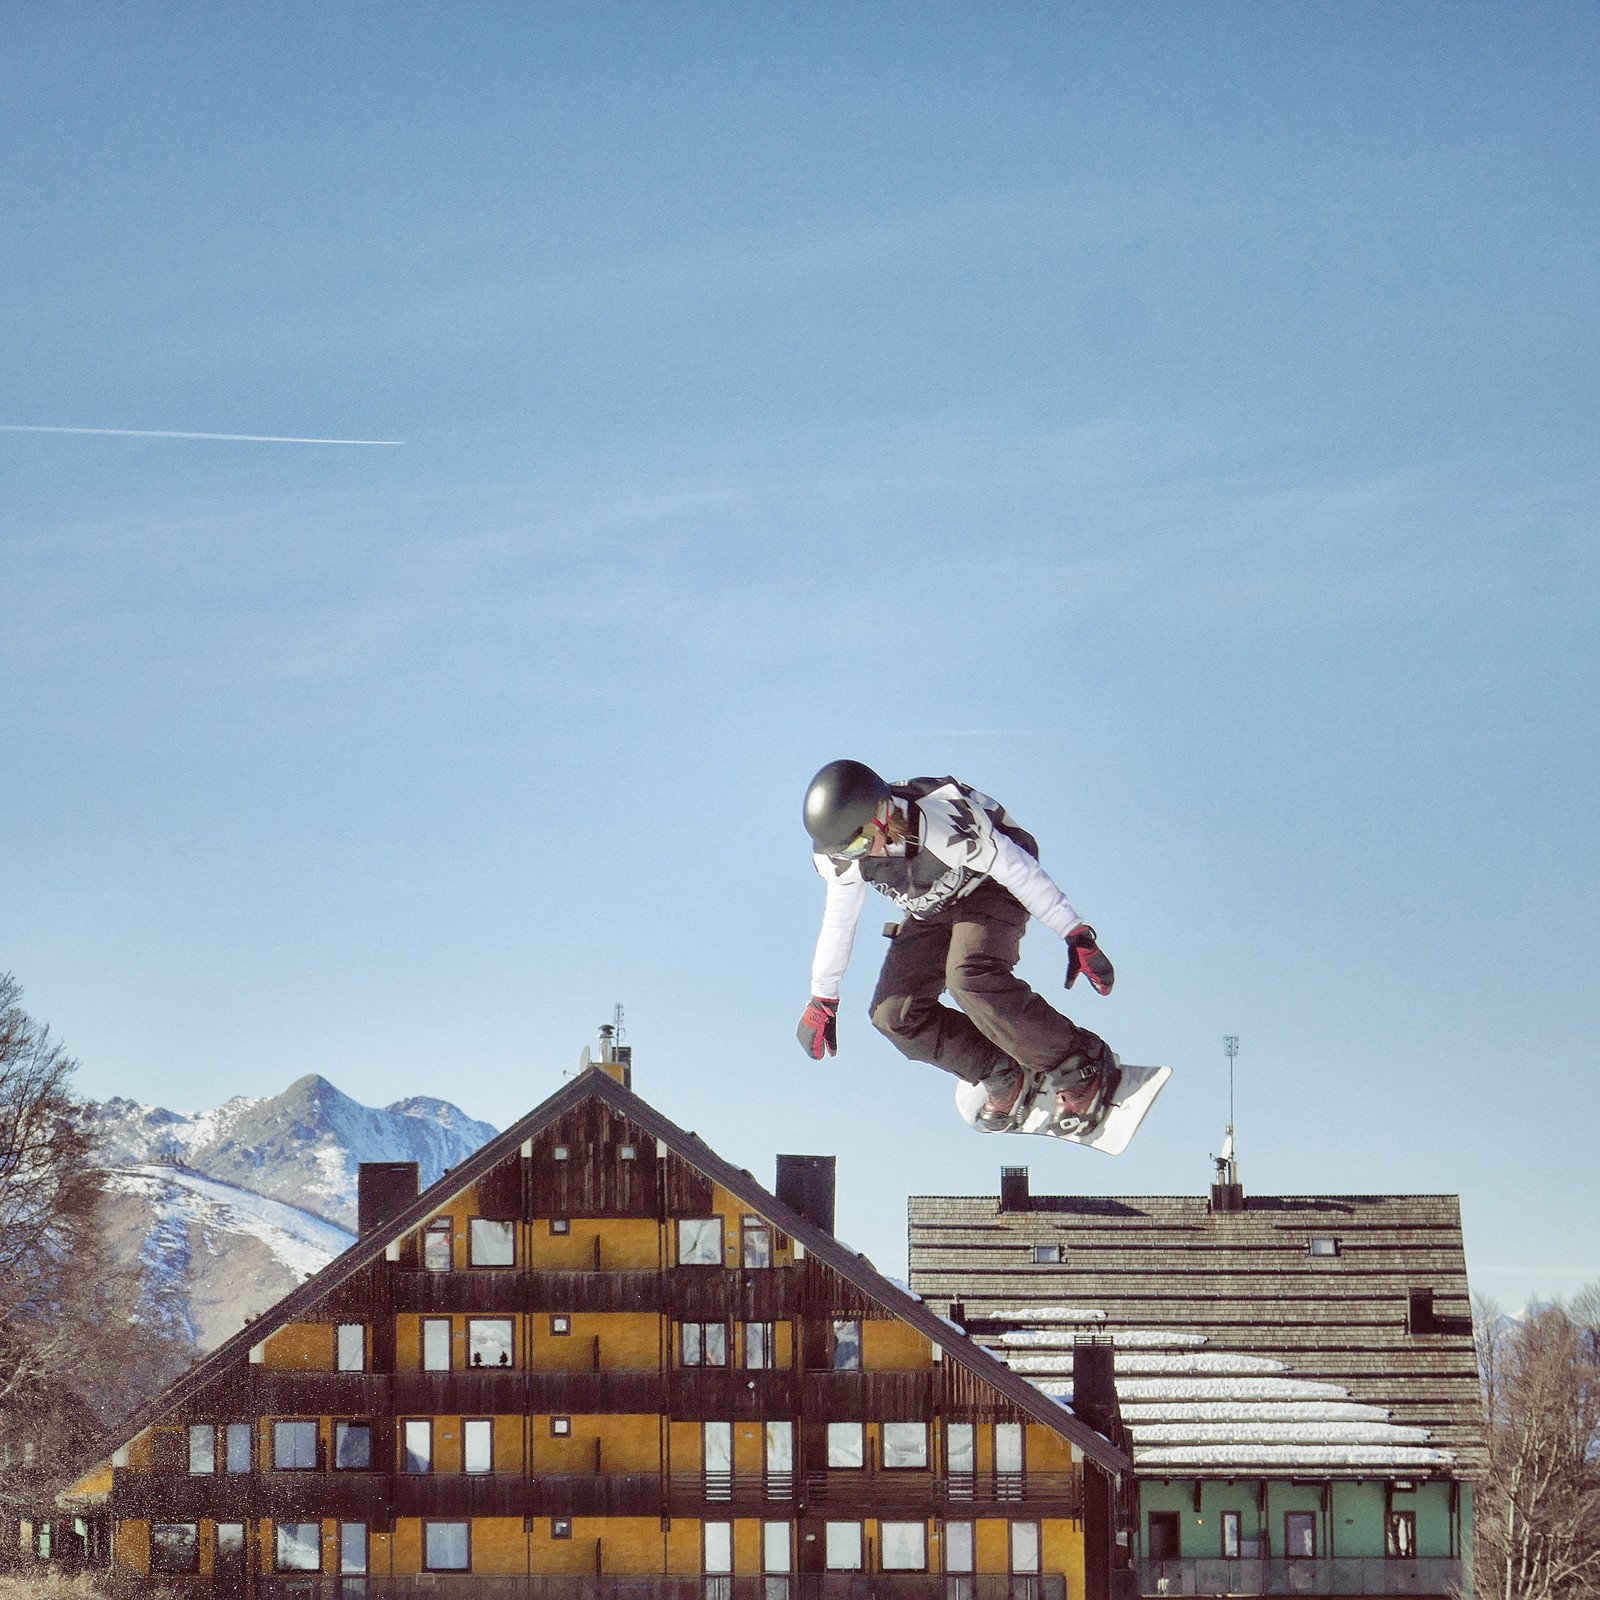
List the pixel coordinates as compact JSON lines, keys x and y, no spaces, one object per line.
{"x":1004,"y":1089}
{"x":1085,"y":1086}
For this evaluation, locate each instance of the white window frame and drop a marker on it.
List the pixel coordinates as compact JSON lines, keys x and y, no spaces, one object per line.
{"x":355,"y":1546}
{"x":284,"y":1549}
{"x":842,"y":1546}
{"x":902,"y":1546}
{"x":442,"y":1525}
{"x":700,"y":1241}
{"x":509,"y":1347}
{"x":703,"y":1344}
{"x":416,"y":1431}
{"x":440,"y":1228}
{"x":907,"y":1441}
{"x":351,"y":1347}
{"x":960,"y":1547}
{"x":1025,"y":1549}
{"x":429,"y":1348}
{"x":847,"y":1446}
{"x":491,"y":1236}
{"x":477,"y":1440}
{"x":306,"y":1429}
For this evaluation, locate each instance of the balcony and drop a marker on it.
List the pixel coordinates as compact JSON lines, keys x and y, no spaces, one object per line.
{"x":505,"y":1289}
{"x":859,"y":1492}
{"x":636,"y":1586}
{"x":1436,"y":1576}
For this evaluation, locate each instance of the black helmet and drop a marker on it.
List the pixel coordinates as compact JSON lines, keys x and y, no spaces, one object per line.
{"x":841,"y":803}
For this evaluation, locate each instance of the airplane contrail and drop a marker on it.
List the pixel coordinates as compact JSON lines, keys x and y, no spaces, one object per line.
{"x":163,"y":433}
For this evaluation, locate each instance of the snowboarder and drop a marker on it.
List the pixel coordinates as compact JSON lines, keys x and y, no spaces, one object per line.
{"x":968,"y":878}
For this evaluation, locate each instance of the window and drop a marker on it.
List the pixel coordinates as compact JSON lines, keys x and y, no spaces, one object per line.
{"x":1400,"y":1535}
{"x":759,"y":1346}
{"x":705,"y":1344}
{"x":846,"y":1350}
{"x":240,"y":1442}
{"x":718,"y":1547}
{"x":294,"y":1446}
{"x":489,"y":1342}
{"x":1324,"y":1245}
{"x":1008,"y":1447}
{"x":230,"y":1549}
{"x":1300,"y":1535}
{"x":780,"y":1459}
{"x":491,"y":1244}
{"x":561,"y":1427}
{"x":905,"y":1444}
{"x":903,"y":1546}
{"x":1049,"y":1254}
{"x":958,"y":1547}
{"x":560,"y":1325}
{"x":435,"y":1344}
{"x":436,"y":1252}
{"x":353,"y":1548}
{"x":560,"y":1226}
{"x":700,"y":1242}
{"x":175,"y":1547}
{"x":755,"y":1243}
{"x":352,"y":1347}
{"x":717,"y":1458}
{"x":561,"y":1152}
{"x":352,"y":1446}
{"x":477,"y":1445}
{"x":417,"y":1442}
{"x":959,"y":1447}
{"x":446,"y":1546}
{"x":561,"y":1527}
{"x":299,"y":1547}
{"x":202,"y":1449}
{"x":627,"y":1152}
{"x":842,"y":1546}
{"x":776,"y":1559}
{"x":1025,"y":1547}
{"x":846,"y":1447}
{"x":1230,"y":1535}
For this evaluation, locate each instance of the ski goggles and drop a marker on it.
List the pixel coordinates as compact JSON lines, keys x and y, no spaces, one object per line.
{"x":863,"y":842}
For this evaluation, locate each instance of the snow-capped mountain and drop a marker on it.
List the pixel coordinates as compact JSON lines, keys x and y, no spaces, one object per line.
{"x":227,"y":1210}
{"x":304,"y":1146}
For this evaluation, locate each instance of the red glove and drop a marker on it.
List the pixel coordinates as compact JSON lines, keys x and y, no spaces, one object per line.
{"x":1085,"y":955}
{"x":818,"y":1032}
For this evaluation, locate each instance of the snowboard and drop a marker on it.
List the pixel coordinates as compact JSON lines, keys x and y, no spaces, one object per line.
{"x":1135,"y":1095}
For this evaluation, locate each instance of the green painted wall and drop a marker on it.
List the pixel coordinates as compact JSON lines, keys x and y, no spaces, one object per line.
{"x":1356,"y":1522}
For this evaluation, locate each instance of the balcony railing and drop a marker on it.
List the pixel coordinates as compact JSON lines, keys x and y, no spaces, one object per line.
{"x":1058,"y":1493}
{"x":631,"y":1586}
{"x":1355,"y":1575}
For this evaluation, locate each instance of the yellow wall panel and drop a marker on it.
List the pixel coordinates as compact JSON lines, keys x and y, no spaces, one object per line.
{"x":687,"y":1444}
{"x":627,"y":1444}
{"x":301,"y":1347}
{"x":1061,"y":1550}
{"x":993,"y":1541}
{"x":499,"y":1545}
{"x":630,"y":1544}
{"x":625,"y":1243}
{"x":407,"y":1544}
{"x":630,"y":1341}
{"x":894,"y":1347}
{"x":1045,"y":1451}
{"x":683,"y":1545}
{"x":133,"y":1545}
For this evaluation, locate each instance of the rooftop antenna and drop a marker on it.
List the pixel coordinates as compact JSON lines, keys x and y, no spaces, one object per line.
{"x":1227,"y":1193}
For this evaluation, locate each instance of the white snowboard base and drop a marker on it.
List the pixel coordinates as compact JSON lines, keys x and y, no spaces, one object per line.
{"x":1134,"y":1097}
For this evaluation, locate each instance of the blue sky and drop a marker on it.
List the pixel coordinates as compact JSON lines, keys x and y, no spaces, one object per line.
{"x":1176,"y":420}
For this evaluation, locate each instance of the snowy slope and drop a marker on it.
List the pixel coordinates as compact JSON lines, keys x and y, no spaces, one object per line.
{"x":303,"y":1146}
{"x":227,"y":1210}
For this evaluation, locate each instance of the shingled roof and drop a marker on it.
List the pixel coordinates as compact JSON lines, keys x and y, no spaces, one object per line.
{"x":1242,"y":1347}
{"x":595,"y":1084}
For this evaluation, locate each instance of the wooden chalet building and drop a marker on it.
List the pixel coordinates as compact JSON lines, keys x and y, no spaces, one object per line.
{"x":1296,"y":1374}
{"x":596,"y":1360}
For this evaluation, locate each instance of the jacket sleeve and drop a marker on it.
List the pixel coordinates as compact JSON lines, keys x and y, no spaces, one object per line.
{"x":1017,"y":871}
{"x":847,"y":893}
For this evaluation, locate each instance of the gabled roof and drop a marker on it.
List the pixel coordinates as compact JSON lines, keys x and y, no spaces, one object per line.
{"x":1239,"y":1351}
{"x":595,"y":1084}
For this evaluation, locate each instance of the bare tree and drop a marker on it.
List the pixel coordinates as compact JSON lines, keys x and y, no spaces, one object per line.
{"x":1537,"y":1527}
{"x":78,"y":1348}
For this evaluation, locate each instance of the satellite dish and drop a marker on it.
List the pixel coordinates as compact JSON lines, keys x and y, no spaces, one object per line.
{"x":584,"y":1061}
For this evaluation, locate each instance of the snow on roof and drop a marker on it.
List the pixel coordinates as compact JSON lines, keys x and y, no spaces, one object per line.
{"x":1063,"y":1339}
{"x":1143,"y":1361}
{"x":1044,"y":1314}
{"x":1193,"y":1409}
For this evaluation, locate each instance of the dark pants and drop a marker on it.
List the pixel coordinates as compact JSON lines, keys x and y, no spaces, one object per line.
{"x":970,"y":952}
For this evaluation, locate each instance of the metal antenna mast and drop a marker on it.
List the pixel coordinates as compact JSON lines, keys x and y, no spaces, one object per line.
{"x":1230,"y":1044}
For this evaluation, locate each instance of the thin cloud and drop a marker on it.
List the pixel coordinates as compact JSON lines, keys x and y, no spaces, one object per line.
{"x":164,"y":433}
